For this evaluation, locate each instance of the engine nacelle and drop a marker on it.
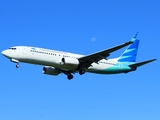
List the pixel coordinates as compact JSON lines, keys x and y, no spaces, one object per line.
{"x":50,"y":70}
{"x":70,"y":61}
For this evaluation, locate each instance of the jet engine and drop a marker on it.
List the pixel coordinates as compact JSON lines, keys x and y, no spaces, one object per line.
{"x":70,"y":61}
{"x":50,"y":70}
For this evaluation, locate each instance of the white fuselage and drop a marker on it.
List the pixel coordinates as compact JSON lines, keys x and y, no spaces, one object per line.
{"x":53,"y":58}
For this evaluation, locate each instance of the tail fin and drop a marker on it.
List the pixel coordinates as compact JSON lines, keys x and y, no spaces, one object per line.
{"x":129,"y":55}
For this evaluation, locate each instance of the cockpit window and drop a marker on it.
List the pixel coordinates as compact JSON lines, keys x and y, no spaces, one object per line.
{"x":12,"y":48}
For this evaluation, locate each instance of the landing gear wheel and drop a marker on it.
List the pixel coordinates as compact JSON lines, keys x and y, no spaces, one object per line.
{"x":17,"y":65}
{"x":70,"y":76}
{"x":81,"y":72}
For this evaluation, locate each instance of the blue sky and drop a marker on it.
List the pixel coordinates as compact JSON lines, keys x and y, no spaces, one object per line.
{"x":80,"y":27}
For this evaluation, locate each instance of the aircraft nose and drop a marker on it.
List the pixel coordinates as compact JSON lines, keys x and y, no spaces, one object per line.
{"x":3,"y":52}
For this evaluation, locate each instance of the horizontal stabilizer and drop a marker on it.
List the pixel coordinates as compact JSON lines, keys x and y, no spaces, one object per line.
{"x":141,"y":63}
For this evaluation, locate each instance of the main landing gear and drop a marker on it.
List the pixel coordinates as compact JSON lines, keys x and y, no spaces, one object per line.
{"x":81,"y":72}
{"x":70,"y":76}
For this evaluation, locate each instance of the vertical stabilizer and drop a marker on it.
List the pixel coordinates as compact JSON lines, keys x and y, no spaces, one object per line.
{"x":129,"y":55}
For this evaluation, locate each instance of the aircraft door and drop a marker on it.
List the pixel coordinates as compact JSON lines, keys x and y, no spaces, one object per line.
{"x":24,"y":52}
{"x":120,"y":65}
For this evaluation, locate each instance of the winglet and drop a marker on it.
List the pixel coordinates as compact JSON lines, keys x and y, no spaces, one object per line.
{"x":134,"y":37}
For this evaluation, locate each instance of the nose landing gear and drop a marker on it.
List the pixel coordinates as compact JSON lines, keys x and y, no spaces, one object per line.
{"x":15,"y":61}
{"x":17,"y":65}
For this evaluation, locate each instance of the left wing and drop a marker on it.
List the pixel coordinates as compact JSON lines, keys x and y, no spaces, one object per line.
{"x":86,"y":61}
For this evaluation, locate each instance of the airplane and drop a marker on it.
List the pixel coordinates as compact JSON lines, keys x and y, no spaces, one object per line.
{"x":56,"y":62}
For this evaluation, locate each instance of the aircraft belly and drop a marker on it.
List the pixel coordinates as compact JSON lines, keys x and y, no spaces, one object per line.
{"x":48,"y":62}
{"x":99,"y":68}
{"x":109,"y":69}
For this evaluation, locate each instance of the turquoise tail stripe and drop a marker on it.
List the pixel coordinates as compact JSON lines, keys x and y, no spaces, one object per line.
{"x":130,"y":53}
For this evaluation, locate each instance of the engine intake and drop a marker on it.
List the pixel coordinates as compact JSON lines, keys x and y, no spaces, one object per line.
{"x":50,"y":70}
